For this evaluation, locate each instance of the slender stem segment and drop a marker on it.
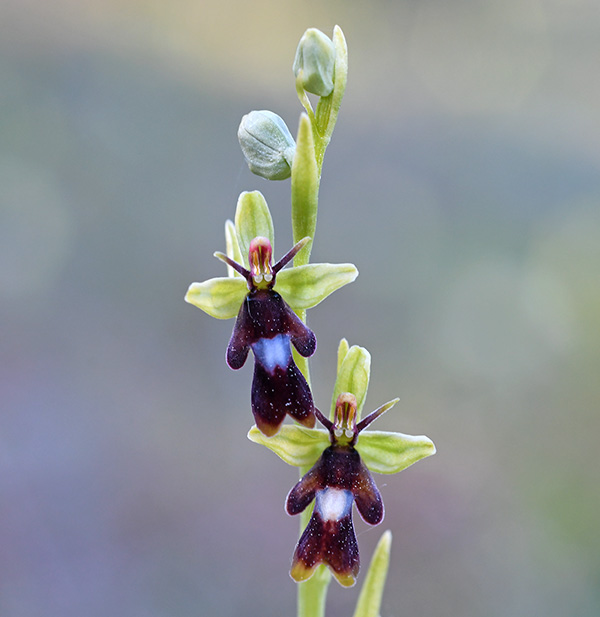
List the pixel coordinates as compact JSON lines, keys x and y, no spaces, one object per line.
{"x":312,"y":594}
{"x":314,"y":133}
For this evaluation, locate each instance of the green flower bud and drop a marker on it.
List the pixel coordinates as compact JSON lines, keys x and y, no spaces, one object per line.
{"x":315,"y":62}
{"x":267,"y":144}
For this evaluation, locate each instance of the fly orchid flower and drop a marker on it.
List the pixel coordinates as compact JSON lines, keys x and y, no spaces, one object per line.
{"x":268,"y":326}
{"x":337,"y":465}
{"x":264,"y":297}
{"x":337,"y":480}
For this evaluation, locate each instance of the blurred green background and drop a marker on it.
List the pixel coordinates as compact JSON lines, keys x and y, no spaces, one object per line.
{"x":463,"y":180}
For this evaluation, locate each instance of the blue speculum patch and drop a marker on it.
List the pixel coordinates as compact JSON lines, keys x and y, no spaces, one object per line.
{"x":273,"y":352}
{"x":333,"y":503}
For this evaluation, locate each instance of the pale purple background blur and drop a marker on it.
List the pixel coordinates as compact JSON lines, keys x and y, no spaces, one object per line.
{"x":463,"y":180}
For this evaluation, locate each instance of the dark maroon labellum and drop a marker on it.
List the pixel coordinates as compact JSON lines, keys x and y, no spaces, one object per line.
{"x":268,"y":326}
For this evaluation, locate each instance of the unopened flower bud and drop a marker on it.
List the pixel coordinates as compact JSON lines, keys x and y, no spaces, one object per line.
{"x":315,"y":62}
{"x":267,"y":144}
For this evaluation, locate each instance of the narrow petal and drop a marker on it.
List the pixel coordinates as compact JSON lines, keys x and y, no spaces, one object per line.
{"x":304,"y":492}
{"x":219,"y":297}
{"x":305,"y":286}
{"x":283,"y":262}
{"x":385,"y":452}
{"x":234,"y":265}
{"x":294,"y":444}
{"x":368,"y":498}
{"x":326,"y":422}
{"x":252,"y":219}
{"x":375,"y":414}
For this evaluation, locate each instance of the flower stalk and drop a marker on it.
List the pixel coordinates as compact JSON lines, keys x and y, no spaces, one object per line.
{"x":269,"y":301}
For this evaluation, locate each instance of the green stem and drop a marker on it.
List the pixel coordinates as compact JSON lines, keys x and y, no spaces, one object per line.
{"x":312,"y":594}
{"x":314,"y":134}
{"x":303,"y":97}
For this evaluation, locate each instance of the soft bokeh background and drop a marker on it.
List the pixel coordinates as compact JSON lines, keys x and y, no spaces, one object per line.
{"x":463,"y":180}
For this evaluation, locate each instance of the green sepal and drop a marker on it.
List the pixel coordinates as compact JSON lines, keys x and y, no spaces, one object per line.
{"x":343,"y":348}
{"x":296,"y":445}
{"x":386,"y":452}
{"x":252,"y":219}
{"x":305,"y":189}
{"x":353,"y":376}
{"x":303,"y":287}
{"x":369,"y":600}
{"x":219,"y":297}
{"x":232,"y":247}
